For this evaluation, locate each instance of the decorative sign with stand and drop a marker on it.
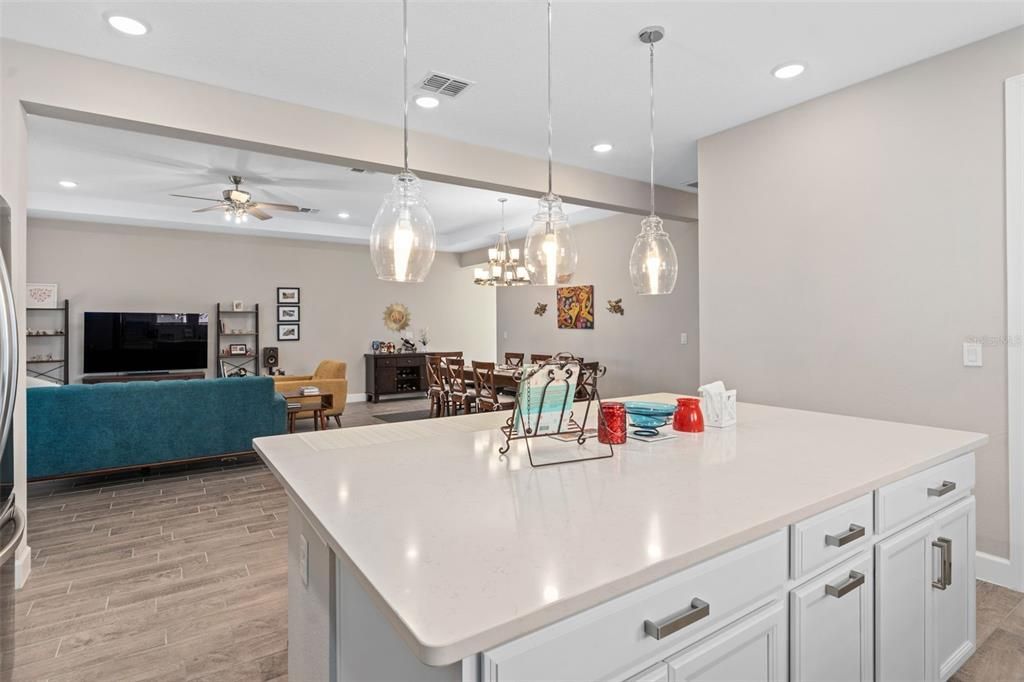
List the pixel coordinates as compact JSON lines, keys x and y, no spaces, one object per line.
{"x":544,"y":405}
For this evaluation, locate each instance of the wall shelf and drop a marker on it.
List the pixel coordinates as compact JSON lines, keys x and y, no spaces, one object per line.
{"x":250,"y":361}
{"x":60,"y":370}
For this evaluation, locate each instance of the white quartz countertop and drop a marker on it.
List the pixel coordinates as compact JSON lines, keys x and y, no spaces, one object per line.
{"x":463,"y":551}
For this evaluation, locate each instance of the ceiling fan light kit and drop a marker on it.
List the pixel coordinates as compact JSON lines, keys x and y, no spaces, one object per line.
{"x":237,"y":204}
{"x":653,"y":264}
{"x":403,"y":240}
{"x":550,"y":244}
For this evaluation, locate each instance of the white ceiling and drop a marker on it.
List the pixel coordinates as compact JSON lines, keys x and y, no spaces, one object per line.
{"x":126,"y":177}
{"x":713,"y":67}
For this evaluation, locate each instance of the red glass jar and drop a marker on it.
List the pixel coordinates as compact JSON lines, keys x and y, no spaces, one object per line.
{"x":688,"y":416}
{"x":611,"y":428}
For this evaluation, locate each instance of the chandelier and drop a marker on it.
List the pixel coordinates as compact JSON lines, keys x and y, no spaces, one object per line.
{"x":503,"y":268}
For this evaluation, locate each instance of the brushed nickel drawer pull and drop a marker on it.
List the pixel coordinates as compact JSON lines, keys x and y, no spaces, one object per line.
{"x":849,"y":585}
{"x":945,"y":579}
{"x":855,"y":533}
{"x":698,"y":609}
{"x":945,"y":488}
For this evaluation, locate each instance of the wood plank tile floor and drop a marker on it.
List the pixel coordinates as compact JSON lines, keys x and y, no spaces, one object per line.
{"x":182,"y":575}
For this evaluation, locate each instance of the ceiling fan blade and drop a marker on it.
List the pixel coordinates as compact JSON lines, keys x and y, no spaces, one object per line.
{"x":255,"y":212}
{"x":186,"y":196}
{"x":279,"y":207}
{"x":209,"y":208}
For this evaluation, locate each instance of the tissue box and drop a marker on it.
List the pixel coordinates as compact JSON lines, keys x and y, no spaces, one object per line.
{"x":719,"y":408}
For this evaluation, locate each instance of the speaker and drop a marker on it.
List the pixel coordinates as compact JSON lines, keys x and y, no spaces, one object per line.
{"x":270,"y":358}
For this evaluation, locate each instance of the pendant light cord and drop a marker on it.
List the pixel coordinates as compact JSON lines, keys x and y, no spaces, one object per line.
{"x":549,"y":97}
{"x":652,"y":128}
{"x":405,"y":85}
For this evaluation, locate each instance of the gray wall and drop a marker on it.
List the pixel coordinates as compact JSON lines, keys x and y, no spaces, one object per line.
{"x":850,"y":245}
{"x":114,"y":267}
{"x":641,"y":349}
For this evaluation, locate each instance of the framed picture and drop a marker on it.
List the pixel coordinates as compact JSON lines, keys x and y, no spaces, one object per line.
{"x":238,"y":306}
{"x":238,"y":349}
{"x":287,"y":332}
{"x":576,"y":307}
{"x":41,"y":295}
{"x":287,"y":313}
{"x":288,"y":295}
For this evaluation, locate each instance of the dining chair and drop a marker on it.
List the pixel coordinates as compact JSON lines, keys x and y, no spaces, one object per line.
{"x":514,"y":359}
{"x":487,"y":397}
{"x":437,"y":387}
{"x":460,"y":392}
{"x":537,"y":358}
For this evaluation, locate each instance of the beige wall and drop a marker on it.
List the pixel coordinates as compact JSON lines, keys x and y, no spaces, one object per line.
{"x":115,"y":267}
{"x":641,"y":348}
{"x":850,"y":245}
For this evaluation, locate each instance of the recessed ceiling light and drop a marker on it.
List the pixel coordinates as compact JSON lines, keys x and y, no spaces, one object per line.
{"x":343,"y":215}
{"x":602,"y":147}
{"x":427,"y":102}
{"x":68,"y":184}
{"x":127,"y":25}
{"x":787,"y":71}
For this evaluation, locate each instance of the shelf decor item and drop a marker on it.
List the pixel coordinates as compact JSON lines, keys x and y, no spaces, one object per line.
{"x":544,"y":406}
{"x":648,"y":417}
{"x":288,"y":313}
{"x":238,"y":306}
{"x":576,"y":307}
{"x":688,"y":416}
{"x":653,"y":264}
{"x":238,"y":349}
{"x":41,"y":295}
{"x":503,"y":268}
{"x":403,"y":240}
{"x":550,"y":245}
{"x":288,"y":296}
{"x":287,"y":332}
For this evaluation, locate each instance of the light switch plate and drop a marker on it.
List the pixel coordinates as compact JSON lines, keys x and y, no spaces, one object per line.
{"x":972,"y":355}
{"x":304,"y":560}
{"x":683,"y":339}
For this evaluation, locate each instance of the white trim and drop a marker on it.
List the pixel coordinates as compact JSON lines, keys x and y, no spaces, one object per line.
{"x":993,"y":569}
{"x":22,"y":565}
{"x":1013,"y":574}
{"x":356,"y":398}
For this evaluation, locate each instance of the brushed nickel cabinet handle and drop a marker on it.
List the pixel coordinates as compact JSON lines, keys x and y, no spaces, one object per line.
{"x":846,"y":537}
{"x":12,"y":514}
{"x":945,"y":579}
{"x":945,"y":488}
{"x":849,"y":585}
{"x":698,"y":609}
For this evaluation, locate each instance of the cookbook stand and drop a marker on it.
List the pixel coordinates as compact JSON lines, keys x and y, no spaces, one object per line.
{"x":563,"y":371}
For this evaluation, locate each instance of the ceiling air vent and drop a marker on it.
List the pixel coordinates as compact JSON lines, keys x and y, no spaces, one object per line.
{"x":444,"y":85}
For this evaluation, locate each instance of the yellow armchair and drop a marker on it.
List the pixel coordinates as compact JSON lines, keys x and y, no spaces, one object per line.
{"x":329,"y":377}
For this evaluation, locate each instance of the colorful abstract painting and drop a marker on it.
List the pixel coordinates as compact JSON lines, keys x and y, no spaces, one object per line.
{"x":576,"y":307}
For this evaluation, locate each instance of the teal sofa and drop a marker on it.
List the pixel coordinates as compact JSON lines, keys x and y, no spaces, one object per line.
{"x":84,"y":428}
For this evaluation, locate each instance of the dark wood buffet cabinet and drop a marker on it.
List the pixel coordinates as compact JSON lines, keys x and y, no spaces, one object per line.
{"x":395,"y":374}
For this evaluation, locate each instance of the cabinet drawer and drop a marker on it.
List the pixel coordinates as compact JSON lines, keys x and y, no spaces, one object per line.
{"x":610,"y":642}
{"x":384,"y":362}
{"x":832,"y":535}
{"x":832,"y":624}
{"x":923,"y":493}
{"x":408,"y":362}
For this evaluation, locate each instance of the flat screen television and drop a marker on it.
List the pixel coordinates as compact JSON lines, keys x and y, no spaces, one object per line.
{"x":145,"y":342}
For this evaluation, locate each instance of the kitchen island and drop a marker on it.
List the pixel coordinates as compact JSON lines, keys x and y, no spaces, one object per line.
{"x":794,"y":545}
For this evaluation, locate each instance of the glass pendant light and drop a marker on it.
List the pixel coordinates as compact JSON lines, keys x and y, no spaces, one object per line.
{"x":503,"y":268}
{"x":653,"y":265}
{"x":550,"y":246}
{"x":403,"y":240}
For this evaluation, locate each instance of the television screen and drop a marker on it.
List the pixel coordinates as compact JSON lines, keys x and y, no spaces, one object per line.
{"x":145,"y":342}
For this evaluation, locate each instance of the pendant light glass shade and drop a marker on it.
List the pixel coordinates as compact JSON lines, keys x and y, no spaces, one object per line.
{"x":653,"y":266}
{"x":550,"y":245}
{"x":403,"y":240}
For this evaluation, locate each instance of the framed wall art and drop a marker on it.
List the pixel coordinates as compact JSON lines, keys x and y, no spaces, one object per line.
{"x":287,"y":332}
{"x":576,"y":307}
{"x":288,"y":295}
{"x":287,"y":313}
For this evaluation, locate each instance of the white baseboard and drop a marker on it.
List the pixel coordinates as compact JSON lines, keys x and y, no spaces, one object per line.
{"x":22,"y":566}
{"x":995,"y":569}
{"x":356,"y":397}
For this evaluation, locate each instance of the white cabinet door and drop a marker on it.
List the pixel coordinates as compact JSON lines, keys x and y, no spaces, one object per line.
{"x":832,"y":624}
{"x":656,"y":673}
{"x":953,"y":611}
{"x":903,"y":605}
{"x":752,"y":649}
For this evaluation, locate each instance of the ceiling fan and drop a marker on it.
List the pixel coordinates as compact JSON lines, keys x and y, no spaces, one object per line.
{"x":237,"y":204}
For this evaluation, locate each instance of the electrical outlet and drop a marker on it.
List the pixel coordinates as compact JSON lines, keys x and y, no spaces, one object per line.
{"x":504,"y":335}
{"x":683,"y":339}
{"x":972,"y":355}
{"x":304,"y":560}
